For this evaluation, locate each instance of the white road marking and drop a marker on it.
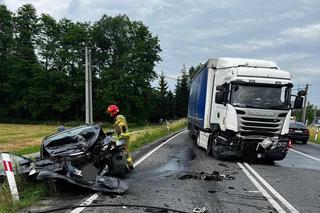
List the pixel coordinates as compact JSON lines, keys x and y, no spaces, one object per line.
{"x":155,"y":149}
{"x":95,"y":196}
{"x":272,"y":190}
{"x":261,"y":189}
{"x":85,"y":203}
{"x":304,"y":154}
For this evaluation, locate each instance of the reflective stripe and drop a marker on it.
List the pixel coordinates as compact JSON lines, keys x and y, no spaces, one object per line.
{"x":5,"y":165}
{"x":10,"y":166}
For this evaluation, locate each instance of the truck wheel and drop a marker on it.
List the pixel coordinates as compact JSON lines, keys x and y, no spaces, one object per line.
{"x":217,"y":152}
{"x":191,"y":132}
{"x":209,"y":147}
{"x":304,"y":141}
{"x":216,"y":148}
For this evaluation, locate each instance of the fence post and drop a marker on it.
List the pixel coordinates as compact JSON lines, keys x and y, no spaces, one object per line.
{"x":8,"y":168}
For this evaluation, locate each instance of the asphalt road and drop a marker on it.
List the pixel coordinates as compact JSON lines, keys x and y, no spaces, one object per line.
{"x":291,"y":185}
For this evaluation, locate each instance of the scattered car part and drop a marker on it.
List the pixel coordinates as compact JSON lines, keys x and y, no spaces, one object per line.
{"x":200,"y":210}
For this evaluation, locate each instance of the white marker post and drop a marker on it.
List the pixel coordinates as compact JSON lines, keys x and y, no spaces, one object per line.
{"x":10,"y":176}
{"x":316,"y":136}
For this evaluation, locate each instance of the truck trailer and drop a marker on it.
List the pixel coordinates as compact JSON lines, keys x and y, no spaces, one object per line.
{"x":241,"y":107}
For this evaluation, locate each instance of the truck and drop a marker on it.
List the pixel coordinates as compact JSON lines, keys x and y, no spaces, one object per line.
{"x":242,"y":107}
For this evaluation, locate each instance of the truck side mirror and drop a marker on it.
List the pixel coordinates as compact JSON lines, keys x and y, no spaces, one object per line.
{"x":220,"y":97}
{"x":302,"y":93}
{"x":298,"y":101}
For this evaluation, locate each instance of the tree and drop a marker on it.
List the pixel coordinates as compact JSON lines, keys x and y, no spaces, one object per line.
{"x":125,"y":55}
{"x":182,"y":94}
{"x":23,"y":60}
{"x":42,"y":66}
{"x":26,"y":31}
{"x":171,"y":104}
{"x":310,"y":113}
{"x":193,"y":71}
{"x":162,"y":102}
{"x":6,"y":47}
{"x":48,"y":42}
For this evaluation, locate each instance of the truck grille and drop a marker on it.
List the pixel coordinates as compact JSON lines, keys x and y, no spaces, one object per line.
{"x":260,"y":126}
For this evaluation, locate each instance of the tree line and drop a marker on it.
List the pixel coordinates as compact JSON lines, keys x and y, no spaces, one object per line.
{"x":42,"y":69}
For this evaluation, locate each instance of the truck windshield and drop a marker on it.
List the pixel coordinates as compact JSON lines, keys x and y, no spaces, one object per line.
{"x":264,"y":97}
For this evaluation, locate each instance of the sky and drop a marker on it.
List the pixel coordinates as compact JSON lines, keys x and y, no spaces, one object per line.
{"x":191,"y":31}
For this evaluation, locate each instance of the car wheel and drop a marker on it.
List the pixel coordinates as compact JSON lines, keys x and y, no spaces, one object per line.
{"x":119,"y":165}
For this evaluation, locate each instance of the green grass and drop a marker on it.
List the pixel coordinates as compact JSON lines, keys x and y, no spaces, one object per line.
{"x":312,"y":135}
{"x":29,"y":193}
{"x":142,"y":138}
{"x":28,"y":150}
{"x":17,"y":137}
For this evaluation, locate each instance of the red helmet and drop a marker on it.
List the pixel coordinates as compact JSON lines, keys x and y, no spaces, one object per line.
{"x":113,"y":110}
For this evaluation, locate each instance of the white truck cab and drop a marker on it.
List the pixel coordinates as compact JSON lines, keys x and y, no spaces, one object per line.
{"x":241,"y":106}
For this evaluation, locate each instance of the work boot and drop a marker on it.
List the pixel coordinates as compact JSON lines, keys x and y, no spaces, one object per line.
{"x":130,"y":162}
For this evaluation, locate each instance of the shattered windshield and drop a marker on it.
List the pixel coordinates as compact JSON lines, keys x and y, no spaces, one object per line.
{"x":264,"y":97}
{"x":71,"y":132}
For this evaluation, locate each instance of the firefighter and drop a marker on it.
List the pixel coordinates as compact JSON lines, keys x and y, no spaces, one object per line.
{"x":121,"y":129}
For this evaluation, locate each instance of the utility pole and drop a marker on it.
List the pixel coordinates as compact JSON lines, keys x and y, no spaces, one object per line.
{"x":88,"y":88}
{"x":304,"y":112}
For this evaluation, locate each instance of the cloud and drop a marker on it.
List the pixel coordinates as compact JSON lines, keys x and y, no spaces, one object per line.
{"x":289,"y":57}
{"x":255,"y":44}
{"x":168,"y":77}
{"x":310,"y":32}
{"x":306,"y":75}
{"x":55,"y":9}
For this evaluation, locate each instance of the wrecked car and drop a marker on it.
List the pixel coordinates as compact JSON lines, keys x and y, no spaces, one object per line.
{"x":83,"y":156}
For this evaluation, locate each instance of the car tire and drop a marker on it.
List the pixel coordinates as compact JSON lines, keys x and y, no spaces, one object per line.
{"x":119,"y":165}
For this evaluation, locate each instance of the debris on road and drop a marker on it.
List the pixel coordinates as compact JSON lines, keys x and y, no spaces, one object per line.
{"x":212,"y":191}
{"x":200,"y":210}
{"x":214,"y":176}
{"x":223,"y":165}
